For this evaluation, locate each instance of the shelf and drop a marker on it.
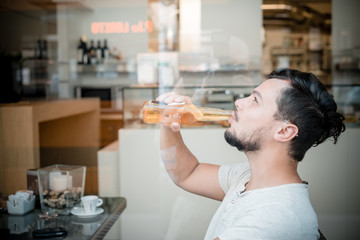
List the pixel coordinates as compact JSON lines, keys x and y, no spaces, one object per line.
{"x":103,"y":68}
{"x":350,"y":66}
{"x":122,"y":67}
{"x":287,"y":51}
{"x":220,"y":70}
{"x":188,"y":86}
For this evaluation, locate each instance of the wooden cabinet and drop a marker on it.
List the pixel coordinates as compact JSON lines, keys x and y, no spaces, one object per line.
{"x":42,"y":133}
{"x":110,"y":125}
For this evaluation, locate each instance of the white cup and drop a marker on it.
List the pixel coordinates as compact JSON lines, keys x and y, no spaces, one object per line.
{"x":89,"y":203}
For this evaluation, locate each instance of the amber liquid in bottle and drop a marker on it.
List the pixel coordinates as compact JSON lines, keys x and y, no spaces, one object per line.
{"x":186,"y":114}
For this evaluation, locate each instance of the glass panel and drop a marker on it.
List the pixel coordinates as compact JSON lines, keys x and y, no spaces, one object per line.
{"x":214,"y":51}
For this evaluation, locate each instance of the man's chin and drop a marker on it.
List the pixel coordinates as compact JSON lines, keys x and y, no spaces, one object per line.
{"x":241,"y":146}
{"x":231,"y":139}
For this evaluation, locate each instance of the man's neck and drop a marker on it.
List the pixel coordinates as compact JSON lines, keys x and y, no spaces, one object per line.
{"x":271,"y":168}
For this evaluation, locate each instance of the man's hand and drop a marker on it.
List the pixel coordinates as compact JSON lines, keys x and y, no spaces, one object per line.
{"x":173,"y":98}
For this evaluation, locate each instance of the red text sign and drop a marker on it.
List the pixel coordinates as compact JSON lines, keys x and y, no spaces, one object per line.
{"x":121,"y":27}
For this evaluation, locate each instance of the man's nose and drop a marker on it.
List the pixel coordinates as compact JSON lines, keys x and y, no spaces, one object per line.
{"x":238,"y":104}
{"x":241,"y":103}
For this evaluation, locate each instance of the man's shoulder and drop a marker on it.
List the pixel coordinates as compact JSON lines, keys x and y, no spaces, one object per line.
{"x":274,"y":220}
{"x":283,"y":196}
{"x":236,"y":169}
{"x":288,"y":202}
{"x":282,"y":214}
{"x":231,"y":176}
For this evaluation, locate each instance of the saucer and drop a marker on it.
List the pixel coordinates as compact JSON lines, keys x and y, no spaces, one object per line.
{"x":79,"y":212}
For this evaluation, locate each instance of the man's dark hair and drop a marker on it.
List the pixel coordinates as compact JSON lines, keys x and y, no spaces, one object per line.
{"x":309,"y":106}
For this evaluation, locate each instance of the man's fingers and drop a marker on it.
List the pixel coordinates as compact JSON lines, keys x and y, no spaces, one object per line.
{"x":169,"y":121}
{"x":175,"y":126}
{"x":186,"y":99}
{"x":171,"y":117}
{"x":173,"y":97}
{"x":163,"y":97}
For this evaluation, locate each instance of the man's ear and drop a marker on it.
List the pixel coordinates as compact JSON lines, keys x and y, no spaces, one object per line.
{"x":286,"y":132}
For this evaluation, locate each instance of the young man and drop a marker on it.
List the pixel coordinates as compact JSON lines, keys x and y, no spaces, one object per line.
{"x":265,"y":198}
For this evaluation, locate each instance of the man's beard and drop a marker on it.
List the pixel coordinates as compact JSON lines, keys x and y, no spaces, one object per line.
{"x":248,"y":143}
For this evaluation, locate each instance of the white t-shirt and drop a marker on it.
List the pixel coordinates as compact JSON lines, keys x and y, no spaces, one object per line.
{"x":281,"y":212}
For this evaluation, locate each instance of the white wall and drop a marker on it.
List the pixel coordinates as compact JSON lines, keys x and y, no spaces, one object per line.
{"x":334,"y":185}
{"x":234,"y":20}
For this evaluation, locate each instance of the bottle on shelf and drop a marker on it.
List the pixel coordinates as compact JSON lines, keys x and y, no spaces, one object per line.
{"x":155,"y":112}
{"x":98,"y":52}
{"x":92,"y":54}
{"x":105,"y":51}
{"x":85,"y":57}
{"x":80,"y":52}
{"x":45,"y":50}
{"x":38,"y":49}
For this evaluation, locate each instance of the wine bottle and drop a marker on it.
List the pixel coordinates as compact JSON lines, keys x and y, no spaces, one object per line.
{"x":92,"y":54}
{"x":80,"y":52}
{"x":186,"y":114}
{"x":86,"y":59}
{"x":45,"y":50}
{"x":98,"y":52}
{"x":105,"y":51}
{"x":38,"y":49}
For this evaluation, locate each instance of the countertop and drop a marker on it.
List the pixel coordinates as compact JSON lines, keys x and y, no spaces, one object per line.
{"x":21,"y":227}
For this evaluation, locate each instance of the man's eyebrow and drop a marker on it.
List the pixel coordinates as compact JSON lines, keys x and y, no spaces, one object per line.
{"x":257,"y":93}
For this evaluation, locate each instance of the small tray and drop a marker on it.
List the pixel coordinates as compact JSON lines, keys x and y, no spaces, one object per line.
{"x":21,"y":209}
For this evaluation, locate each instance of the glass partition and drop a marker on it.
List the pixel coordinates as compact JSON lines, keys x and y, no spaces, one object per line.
{"x":215,"y":51}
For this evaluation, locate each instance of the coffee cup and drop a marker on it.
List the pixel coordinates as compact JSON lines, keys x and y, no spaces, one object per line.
{"x":90,"y":202}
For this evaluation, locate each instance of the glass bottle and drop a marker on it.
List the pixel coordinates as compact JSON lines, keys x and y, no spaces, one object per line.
{"x":186,"y":114}
{"x":45,"y":49}
{"x":38,"y":49}
{"x":98,"y":52}
{"x":85,"y":51}
{"x":105,"y":51}
{"x":80,"y":52}
{"x":92,"y":53}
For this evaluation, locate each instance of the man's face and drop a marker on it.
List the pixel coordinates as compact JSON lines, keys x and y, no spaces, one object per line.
{"x":252,"y":124}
